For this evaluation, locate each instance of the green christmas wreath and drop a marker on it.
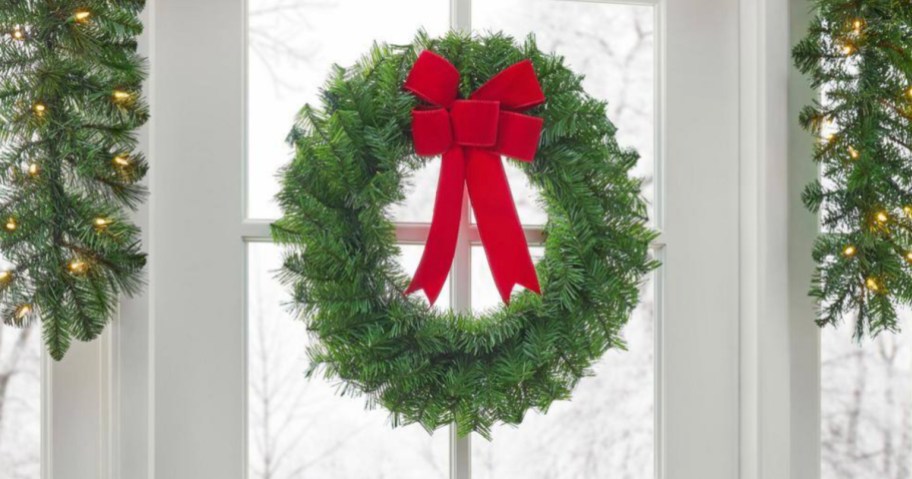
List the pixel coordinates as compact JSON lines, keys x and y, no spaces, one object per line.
{"x":355,"y":152}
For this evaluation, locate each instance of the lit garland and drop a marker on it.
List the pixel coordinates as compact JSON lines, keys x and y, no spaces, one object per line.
{"x":68,"y":168}
{"x":859,"y":54}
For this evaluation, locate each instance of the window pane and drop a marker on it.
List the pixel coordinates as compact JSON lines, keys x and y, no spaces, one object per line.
{"x":866,"y":405}
{"x":612,"y":45}
{"x":20,"y":402}
{"x":292,"y":44}
{"x":484,"y":291}
{"x":605,"y":430}
{"x":300,"y":428}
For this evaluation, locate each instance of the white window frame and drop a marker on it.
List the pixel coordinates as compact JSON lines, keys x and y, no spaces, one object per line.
{"x":143,"y":403}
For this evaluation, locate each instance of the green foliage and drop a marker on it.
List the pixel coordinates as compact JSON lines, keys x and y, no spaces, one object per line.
{"x":70,"y":104}
{"x":858,"y":53}
{"x":354,"y":154}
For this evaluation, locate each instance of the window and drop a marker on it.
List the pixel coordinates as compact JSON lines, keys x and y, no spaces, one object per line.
{"x":303,"y":428}
{"x":866,"y":405}
{"x":20,"y":401}
{"x":225,"y":394}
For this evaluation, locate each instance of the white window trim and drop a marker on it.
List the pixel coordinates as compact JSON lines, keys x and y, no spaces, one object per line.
{"x":780,"y":343}
{"x":99,"y":404}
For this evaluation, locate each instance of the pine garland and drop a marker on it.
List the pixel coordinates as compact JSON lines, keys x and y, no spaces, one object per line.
{"x":858,"y":53}
{"x":354,"y":153}
{"x":70,"y":105}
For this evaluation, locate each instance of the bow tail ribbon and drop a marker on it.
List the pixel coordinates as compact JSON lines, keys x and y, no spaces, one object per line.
{"x":498,"y":223}
{"x":472,"y":135}
{"x":441,"y":243}
{"x":482,"y":173}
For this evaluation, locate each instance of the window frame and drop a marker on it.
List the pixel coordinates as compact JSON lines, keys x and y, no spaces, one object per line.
{"x":129,"y":404}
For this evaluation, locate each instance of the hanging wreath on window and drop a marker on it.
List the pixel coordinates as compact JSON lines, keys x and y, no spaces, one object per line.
{"x":471,"y":99}
{"x":69,"y":108}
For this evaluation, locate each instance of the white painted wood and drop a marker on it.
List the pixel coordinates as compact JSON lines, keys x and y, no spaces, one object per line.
{"x":461,"y":279}
{"x":197,"y":255}
{"x":131,"y":372}
{"x":699,"y":74}
{"x":780,"y":428}
{"x":77,"y":418}
{"x":804,"y":335}
{"x":764,"y":258}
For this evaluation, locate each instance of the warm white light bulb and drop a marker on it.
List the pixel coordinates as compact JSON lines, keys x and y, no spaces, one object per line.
{"x":872,"y":284}
{"x":23,"y":311}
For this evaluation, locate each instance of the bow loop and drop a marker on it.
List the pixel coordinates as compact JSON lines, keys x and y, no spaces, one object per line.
{"x":431,"y":131}
{"x":433,"y":79}
{"x":516,"y":88}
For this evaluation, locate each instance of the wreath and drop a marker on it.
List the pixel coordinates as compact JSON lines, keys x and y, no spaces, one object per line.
{"x":378,"y":122}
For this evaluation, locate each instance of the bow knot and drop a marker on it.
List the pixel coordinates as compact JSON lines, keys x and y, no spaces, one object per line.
{"x":472,"y":134}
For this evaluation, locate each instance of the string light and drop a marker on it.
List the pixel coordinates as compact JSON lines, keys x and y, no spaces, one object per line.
{"x":6,"y":276}
{"x":907,"y":210}
{"x":849,"y":251}
{"x":101,"y":223}
{"x":872,"y":284}
{"x":23,"y":310}
{"x":909,"y":92}
{"x":34,"y":169}
{"x":121,"y":96}
{"x":857,"y":25}
{"x":39,"y":109}
{"x":882,"y":217}
{"x":909,"y":256}
{"x":848,"y":49}
{"x":121,"y":161}
{"x":78,"y":266}
{"x":829,"y":138}
{"x":82,"y":16}
{"x":11,"y":224}
{"x":18,"y":34}
{"x":854,"y":153}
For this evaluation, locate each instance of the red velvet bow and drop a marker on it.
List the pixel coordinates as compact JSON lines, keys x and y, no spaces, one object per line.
{"x":472,"y":134}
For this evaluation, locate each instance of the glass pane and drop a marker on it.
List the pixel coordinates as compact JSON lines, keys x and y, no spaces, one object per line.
{"x":420,"y":192}
{"x":612,"y":45}
{"x":20,"y":402}
{"x":292,"y":44}
{"x":484,"y":291}
{"x":299,"y":428}
{"x":866,"y":405}
{"x":605,"y":430}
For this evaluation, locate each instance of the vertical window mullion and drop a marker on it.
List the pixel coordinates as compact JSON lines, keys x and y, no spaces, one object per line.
{"x":461,"y":291}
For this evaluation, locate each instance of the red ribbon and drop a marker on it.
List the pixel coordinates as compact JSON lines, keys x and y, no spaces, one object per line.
{"x":472,"y":135}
